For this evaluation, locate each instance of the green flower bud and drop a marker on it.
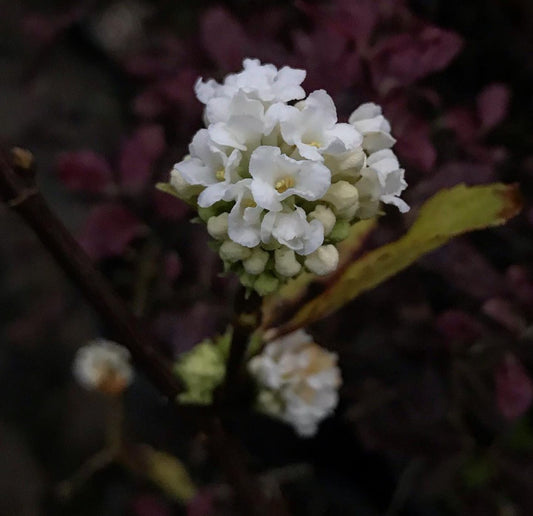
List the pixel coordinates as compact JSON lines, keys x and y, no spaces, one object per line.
{"x":266,"y":284}
{"x":340,"y":231}
{"x":256,"y":263}
{"x":286,"y":263}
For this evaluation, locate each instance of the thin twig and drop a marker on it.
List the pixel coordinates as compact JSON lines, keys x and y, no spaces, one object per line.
{"x":19,"y":191}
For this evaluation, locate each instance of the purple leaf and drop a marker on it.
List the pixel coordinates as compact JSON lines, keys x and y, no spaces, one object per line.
{"x":138,"y":155}
{"x":328,"y":60}
{"x":505,"y":313}
{"x":168,"y":207}
{"x":108,"y":230}
{"x":451,"y":174}
{"x":463,"y":266}
{"x":414,"y":143}
{"x":146,"y":505}
{"x":457,"y":325}
{"x":201,"y":504}
{"x":84,"y":171}
{"x":172,"y":266}
{"x":403,"y":59}
{"x":493,"y":105}
{"x":514,"y":389}
{"x":224,"y":38}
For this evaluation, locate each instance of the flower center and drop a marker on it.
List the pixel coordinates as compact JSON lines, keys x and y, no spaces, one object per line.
{"x":315,"y":144}
{"x":220,"y":174}
{"x":284,"y":184}
{"x":248,"y":203}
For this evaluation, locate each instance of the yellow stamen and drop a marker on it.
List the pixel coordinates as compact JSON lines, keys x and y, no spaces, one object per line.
{"x":316,"y":144}
{"x":284,"y":184}
{"x":220,"y":174}
{"x":249,"y":203}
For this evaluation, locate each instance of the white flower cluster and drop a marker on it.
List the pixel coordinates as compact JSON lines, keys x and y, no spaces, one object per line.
{"x":298,"y":381}
{"x":279,"y":182}
{"x":104,"y":366}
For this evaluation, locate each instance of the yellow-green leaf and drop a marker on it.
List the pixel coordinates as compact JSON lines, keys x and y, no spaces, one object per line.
{"x":167,"y":188}
{"x":292,"y":292}
{"x":168,"y":473}
{"x":449,"y":213}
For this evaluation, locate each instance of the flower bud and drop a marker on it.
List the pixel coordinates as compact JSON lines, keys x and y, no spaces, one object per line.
{"x":232,"y":252}
{"x":256,"y":263}
{"x":340,"y":231}
{"x":183,"y":189}
{"x":323,"y":261}
{"x":217,"y":227}
{"x":266,"y":284}
{"x":342,"y":196}
{"x":286,"y":263}
{"x":324,"y":215}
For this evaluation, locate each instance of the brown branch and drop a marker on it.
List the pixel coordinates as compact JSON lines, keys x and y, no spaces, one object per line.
{"x":247,"y":318}
{"x":19,"y":191}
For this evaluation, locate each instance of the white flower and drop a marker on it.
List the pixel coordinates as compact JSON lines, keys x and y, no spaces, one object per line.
{"x":312,"y":126}
{"x":299,"y":381}
{"x":244,"y":221}
{"x":104,"y":366}
{"x":374,"y":127}
{"x":283,"y":176}
{"x":292,"y":230}
{"x":382,"y":180}
{"x":210,"y":167}
{"x":263,"y":82}
{"x":276,"y":177}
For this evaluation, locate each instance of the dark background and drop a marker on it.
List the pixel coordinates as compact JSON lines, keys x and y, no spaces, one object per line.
{"x":434,"y":413}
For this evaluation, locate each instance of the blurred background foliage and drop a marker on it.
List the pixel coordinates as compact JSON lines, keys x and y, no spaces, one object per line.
{"x":434,"y":417}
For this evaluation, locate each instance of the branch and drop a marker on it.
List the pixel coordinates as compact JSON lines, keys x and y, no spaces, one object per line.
{"x":19,"y":192}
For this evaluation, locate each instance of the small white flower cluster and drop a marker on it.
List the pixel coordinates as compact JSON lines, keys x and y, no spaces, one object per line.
{"x":104,"y":366}
{"x":298,"y":381}
{"x":279,"y":182}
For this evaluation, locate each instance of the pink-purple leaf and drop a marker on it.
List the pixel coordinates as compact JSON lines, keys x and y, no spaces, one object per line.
{"x":514,"y":388}
{"x":137,"y":157}
{"x":493,"y":105}
{"x":224,"y":38}
{"x":403,"y":59}
{"x":84,"y":171}
{"x":108,"y":231}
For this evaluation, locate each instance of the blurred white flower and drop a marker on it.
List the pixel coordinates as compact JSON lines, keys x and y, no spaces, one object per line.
{"x":298,"y":381}
{"x":104,"y":366}
{"x":284,"y":180}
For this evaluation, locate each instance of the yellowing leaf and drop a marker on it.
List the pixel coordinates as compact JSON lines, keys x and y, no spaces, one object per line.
{"x":168,"y":473}
{"x":449,"y":213}
{"x":278,"y":304}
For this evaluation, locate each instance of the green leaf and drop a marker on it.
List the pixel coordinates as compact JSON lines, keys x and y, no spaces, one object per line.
{"x":168,"y":473}
{"x":167,"y":188}
{"x":449,"y":213}
{"x":292,"y":292}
